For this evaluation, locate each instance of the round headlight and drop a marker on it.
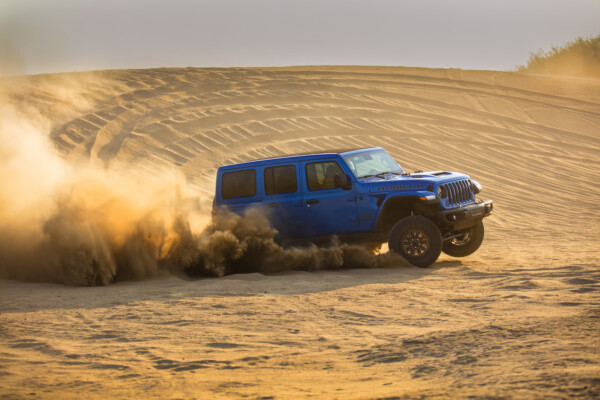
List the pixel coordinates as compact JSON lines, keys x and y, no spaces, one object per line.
{"x":476,"y":186}
{"x":441,"y":192}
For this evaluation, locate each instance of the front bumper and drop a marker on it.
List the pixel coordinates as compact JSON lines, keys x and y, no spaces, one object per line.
{"x":465,"y":216}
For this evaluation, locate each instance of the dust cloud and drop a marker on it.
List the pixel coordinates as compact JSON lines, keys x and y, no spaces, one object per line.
{"x":68,"y":222}
{"x":234,"y":244}
{"x":79,"y":224}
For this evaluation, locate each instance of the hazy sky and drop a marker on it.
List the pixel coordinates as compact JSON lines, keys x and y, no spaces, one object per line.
{"x":69,"y":35}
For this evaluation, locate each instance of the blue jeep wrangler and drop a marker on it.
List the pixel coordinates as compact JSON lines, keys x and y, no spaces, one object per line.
{"x":359,"y":195}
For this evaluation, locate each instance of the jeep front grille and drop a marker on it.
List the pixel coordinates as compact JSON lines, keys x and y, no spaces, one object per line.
{"x":459,"y":192}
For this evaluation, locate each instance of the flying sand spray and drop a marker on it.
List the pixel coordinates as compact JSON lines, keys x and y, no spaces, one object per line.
{"x":80,"y":224}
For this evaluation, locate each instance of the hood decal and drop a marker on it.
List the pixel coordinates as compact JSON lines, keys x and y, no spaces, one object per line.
{"x":401,"y":187}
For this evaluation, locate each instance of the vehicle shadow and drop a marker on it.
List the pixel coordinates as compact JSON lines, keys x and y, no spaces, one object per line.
{"x":25,"y":297}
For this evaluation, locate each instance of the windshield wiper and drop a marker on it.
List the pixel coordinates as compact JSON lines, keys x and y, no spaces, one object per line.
{"x":388,"y":172}
{"x":379,"y":175}
{"x":383,"y":173}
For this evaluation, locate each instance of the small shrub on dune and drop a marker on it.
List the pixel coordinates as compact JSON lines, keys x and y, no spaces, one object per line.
{"x":580,"y":57}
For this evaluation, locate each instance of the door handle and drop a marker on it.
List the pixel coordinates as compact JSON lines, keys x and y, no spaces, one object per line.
{"x":312,"y":201}
{"x":273,"y":205}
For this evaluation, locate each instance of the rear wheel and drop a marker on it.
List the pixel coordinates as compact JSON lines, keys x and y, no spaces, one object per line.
{"x":417,"y":239}
{"x":466,"y":244}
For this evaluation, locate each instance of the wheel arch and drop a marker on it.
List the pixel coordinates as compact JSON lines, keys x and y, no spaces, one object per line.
{"x":395,"y":208}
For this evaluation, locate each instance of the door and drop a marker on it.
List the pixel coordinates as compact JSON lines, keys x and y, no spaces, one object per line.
{"x":327,"y":209}
{"x":283,"y":199}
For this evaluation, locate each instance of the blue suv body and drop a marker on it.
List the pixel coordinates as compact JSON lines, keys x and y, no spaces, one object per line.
{"x":359,"y":195}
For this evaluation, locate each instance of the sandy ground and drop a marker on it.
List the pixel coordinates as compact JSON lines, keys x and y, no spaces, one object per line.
{"x":518,"y":319}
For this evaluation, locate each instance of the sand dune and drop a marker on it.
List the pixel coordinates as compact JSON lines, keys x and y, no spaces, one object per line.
{"x":517,"y":319}
{"x":523,"y":136}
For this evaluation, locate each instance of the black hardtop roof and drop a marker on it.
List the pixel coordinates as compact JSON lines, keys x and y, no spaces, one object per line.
{"x":298,"y":157}
{"x":328,"y":151}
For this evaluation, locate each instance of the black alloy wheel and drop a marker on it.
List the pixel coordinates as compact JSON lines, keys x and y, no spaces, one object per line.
{"x":417,"y":239}
{"x":467,"y":243}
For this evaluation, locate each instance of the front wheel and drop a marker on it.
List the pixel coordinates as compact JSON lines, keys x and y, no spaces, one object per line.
{"x":466,"y":244}
{"x":417,"y":239}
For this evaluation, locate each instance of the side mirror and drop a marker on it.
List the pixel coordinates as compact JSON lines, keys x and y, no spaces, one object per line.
{"x":342,"y":181}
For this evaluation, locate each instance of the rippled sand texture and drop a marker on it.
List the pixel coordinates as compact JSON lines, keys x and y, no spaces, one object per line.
{"x":518,"y":319}
{"x":532,"y":141}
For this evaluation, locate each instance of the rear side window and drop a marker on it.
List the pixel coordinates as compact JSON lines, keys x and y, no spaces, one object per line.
{"x":281,"y":180}
{"x":237,"y":184}
{"x":319,"y":176}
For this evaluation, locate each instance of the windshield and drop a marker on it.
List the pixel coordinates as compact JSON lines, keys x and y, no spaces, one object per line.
{"x":372,"y":163}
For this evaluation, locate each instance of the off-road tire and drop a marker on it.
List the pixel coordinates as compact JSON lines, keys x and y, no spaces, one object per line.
{"x":417,"y":239}
{"x":467,"y":244}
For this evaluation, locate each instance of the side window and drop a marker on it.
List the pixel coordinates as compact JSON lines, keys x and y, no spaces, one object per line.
{"x":238,"y":184}
{"x":319,"y":175}
{"x":281,"y":180}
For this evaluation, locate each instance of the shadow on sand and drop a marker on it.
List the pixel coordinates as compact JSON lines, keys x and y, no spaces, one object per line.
{"x":19,"y":296}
